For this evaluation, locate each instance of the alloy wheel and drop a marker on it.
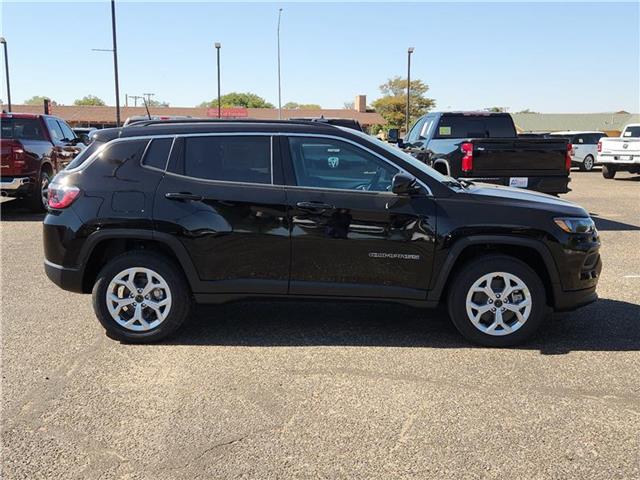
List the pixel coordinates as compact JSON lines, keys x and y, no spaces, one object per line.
{"x":498,"y":303}
{"x":138,"y":299}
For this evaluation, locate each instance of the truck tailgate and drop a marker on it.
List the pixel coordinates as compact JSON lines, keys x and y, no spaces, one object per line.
{"x":499,"y":157}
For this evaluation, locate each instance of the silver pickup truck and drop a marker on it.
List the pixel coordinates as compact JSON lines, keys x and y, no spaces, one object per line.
{"x":620,"y":154}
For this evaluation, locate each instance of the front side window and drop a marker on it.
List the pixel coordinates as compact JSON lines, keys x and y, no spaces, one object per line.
{"x":67,"y":133}
{"x":54,"y":130}
{"x":331,"y":163}
{"x":231,"y":159}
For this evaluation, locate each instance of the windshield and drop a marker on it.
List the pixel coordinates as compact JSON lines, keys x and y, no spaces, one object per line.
{"x":403,"y":156}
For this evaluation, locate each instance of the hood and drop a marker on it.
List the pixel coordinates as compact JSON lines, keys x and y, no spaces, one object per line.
{"x":525,"y":198}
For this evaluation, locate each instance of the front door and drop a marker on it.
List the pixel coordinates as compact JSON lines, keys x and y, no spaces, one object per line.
{"x":350,"y":236}
{"x":221,"y":199}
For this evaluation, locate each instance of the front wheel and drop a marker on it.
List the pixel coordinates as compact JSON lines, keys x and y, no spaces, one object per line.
{"x":608,"y":171}
{"x":140,"y":297}
{"x":497,"y":301}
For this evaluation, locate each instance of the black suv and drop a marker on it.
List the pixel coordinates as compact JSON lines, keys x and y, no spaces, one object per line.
{"x":155,"y":215}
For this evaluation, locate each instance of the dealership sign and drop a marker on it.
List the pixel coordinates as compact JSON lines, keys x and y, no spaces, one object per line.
{"x":228,"y":112}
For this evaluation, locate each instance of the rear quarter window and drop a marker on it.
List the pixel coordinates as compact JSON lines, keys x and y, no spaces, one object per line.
{"x":157,"y":153}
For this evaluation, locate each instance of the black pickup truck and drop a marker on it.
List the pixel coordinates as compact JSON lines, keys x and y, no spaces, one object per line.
{"x":485,"y":146}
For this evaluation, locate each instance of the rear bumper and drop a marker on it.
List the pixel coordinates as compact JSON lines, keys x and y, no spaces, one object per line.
{"x":66,"y":278}
{"x":15,"y":186}
{"x":551,"y":185}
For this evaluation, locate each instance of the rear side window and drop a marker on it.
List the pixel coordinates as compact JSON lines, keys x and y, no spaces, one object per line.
{"x":464,"y":126}
{"x":158,"y":153}
{"x":230,"y":159}
{"x":21,"y":129}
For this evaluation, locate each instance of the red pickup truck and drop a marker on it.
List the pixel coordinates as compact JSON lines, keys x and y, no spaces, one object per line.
{"x":34,"y":148}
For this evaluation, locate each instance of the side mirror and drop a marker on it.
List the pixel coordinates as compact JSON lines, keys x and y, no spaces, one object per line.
{"x":404,"y":184}
{"x":393,"y":135}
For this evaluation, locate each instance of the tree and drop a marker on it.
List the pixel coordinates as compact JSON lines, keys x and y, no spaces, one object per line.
{"x":37,"y":100}
{"x":235,"y":99}
{"x":496,"y":109}
{"x":157,"y":103}
{"x":89,"y":100}
{"x":392,"y":105}
{"x":301,"y":106}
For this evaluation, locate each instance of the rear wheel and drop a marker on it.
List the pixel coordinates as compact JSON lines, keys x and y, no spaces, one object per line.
{"x":587,"y":164}
{"x":39,"y":198}
{"x":608,"y":171}
{"x":497,"y":301}
{"x":141,"y":297}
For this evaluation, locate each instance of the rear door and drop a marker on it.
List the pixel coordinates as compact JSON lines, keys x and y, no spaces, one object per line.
{"x":223,"y":198}
{"x":350,"y":236}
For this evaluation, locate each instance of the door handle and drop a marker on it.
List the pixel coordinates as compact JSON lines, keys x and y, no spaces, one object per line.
{"x":314,"y":206}
{"x":182,"y":196}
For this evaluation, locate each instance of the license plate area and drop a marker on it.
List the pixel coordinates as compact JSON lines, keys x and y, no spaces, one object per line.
{"x":519,"y":182}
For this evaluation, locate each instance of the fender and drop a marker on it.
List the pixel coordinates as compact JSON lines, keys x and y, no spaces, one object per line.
{"x":439,"y":282}
{"x":140,"y":234}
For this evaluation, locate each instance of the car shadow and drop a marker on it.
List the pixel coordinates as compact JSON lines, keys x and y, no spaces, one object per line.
{"x":604,"y":224}
{"x":607,"y":325}
{"x":16,"y":211}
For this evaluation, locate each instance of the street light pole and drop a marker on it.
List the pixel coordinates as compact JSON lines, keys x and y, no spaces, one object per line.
{"x":279,"y":87}
{"x":409,"y":52}
{"x":218,"y":45}
{"x":6,"y":69}
{"x":115,"y":60}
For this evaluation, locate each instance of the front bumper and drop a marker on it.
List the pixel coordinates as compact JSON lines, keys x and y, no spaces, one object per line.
{"x":572,"y":300}
{"x":66,"y":278}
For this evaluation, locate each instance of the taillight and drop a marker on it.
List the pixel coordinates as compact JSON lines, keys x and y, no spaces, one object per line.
{"x":61,"y":196}
{"x":567,"y":162}
{"x":467,"y":156}
{"x":599,"y":146}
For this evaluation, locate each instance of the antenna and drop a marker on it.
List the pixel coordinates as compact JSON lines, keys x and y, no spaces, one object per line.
{"x":146,"y":107}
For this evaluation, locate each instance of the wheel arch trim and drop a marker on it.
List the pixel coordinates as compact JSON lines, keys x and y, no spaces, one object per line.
{"x":439,"y":283}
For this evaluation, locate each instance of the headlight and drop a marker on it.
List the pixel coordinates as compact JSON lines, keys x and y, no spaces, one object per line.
{"x":576,"y":224}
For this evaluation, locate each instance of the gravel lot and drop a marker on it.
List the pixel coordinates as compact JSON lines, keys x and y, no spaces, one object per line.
{"x":281,"y":390}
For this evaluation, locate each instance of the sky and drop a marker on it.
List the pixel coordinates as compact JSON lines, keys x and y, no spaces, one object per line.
{"x":554,"y":58}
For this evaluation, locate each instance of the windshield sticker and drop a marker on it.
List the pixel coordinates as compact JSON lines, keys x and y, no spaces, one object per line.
{"x":444,"y":130}
{"x":333,"y":162}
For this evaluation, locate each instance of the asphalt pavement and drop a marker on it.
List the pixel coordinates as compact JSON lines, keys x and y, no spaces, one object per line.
{"x":322,"y":390}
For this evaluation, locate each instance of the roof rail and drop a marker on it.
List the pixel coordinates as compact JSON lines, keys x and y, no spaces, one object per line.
{"x":146,"y":123}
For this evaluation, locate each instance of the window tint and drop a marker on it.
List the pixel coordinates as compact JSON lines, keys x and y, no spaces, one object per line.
{"x":21,"y":128}
{"x":464,"y":126}
{"x":158,"y":153}
{"x":330,"y":163}
{"x":231,"y":159}
{"x":54,"y":130}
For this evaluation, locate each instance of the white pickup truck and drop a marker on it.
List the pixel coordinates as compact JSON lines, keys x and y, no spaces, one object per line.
{"x":621,"y":154}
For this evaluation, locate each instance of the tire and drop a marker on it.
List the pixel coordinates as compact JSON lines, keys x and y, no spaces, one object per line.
{"x":37,"y":201}
{"x":587,"y":164}
{"x":489,"y":333}
{"x":170,"y":296}
{"x":608,"y":171}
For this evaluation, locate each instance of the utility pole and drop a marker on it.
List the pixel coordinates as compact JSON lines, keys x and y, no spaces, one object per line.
{"x":6,"y":69}
{"x":218,"y":45}
{"x":409,"y":52}
{"x":279,"y":86}
{"x":115,"y":60}
{"x":135,"y":99}
{"x":149,"y":95}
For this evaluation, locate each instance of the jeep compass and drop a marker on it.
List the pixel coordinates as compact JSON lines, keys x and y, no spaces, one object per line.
{"x":155,"y":216}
